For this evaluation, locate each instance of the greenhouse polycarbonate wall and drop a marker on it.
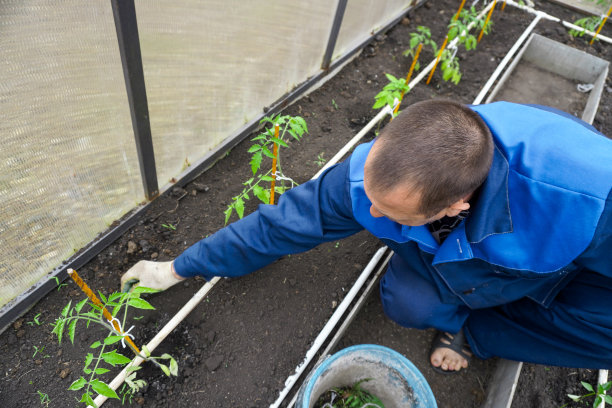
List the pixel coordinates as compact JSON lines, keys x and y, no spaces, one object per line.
{"x":362,"y":17}
{"x":204,"y":81}
{"x":69,"y":165}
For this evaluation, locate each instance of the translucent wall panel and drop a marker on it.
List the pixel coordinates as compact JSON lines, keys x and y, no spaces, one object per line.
{"x":68,"y":165}
{"x":210,"y":66}
{"x":362,"y":17}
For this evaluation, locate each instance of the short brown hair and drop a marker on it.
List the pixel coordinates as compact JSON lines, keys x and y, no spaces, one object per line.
{"x":441,"y":148}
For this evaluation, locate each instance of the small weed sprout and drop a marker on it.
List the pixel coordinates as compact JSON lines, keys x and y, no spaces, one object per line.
{"x":57,"y":282}
{"x":335,"y":105}
{"x":40,"y":351}
{"x":35,"y":320}
{"x":169,"y":226}
{"x":393,"y":90}
{"x":293,"y":126}
{"x":320,"y":160}
{"x":44,"y":398}
{"x":88,"y":312}
{"x":600,"y":395}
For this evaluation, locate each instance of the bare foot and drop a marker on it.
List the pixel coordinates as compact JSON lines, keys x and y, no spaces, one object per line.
{"x":448,"y":359}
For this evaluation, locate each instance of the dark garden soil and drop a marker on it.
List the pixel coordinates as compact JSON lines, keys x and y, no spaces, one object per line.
{"x":240,"y":344}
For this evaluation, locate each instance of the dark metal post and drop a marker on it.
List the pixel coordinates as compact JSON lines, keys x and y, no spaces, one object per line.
{"x":333,"y":36}
{"x":124,"y":12}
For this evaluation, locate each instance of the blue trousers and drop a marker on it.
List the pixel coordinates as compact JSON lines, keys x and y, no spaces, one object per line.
{"x":574,"y":331}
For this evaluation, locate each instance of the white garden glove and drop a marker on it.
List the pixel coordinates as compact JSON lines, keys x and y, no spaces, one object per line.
{"x":155,"y":275}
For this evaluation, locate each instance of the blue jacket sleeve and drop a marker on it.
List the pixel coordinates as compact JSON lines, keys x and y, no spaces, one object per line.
{"x":315,"y":212}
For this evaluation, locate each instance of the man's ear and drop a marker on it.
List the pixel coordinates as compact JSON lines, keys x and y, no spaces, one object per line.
{"x":454,"y":209}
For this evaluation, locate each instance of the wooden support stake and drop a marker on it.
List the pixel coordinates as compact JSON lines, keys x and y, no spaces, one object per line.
{"x":410,"y":71}
{"x":487,"y":20}
{"x":459,"y":11}
{"x":275,"y":153}
{"x":437,"y":60}
{"x":503,"y":5}
{"x":94,"y":299}
{"x":601,"y":25}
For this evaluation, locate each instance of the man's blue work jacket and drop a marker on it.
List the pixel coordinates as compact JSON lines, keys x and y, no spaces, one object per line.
{"x":543,"y":214}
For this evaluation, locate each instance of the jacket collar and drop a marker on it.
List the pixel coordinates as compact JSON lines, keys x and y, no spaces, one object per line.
{"x":491,"y":211}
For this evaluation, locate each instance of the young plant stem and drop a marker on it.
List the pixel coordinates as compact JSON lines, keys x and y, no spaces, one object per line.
{"x":408,"y":76}
{"x":601,"y":25}
{"x":94,"y":299}
{"x":487,"y":20}
{"x":93,"y":372}
{"x":275,"y":154}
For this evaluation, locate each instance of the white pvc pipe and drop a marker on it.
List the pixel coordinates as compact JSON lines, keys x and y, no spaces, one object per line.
{"x":602,"y":379}
{"x":506,"y":59}
{"x":291,"y":380}
{"x":159,"y":337}
{"x":557,"y":20}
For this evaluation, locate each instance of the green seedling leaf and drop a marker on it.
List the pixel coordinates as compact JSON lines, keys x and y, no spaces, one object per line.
{"x":228,"y":213}
{"x":391,"y":78}
{"x":139,"y":303}
{"x":379,"y":104}
{"x":146,"y":351}
{"x":113,"y":358}
{"x":88,"y":359}
{"x":256,"y":162}
{"x":597,"y":401}
{"x":103,"y":389}
{"x":66,"y":309}
{"x":86,"y":398}
{"x":266,"y":178}
{"x":112,"y":339}
{"x":278,"y":141}
{"x":142,"y":289}
{"x":239,"y":206}
{"x":71,"y":330}
{"x":80,"y":305}
{"x":267,"y":152}
{"x":95,"y":344}
{"x":608,"y":399}
{"x":262,"y":194}
{"x":165,"y":369}
{"x":102,"y":370}
{"x":78,"y":384}
{"x":58,"y":329}
{"x":254,"y":148}
{"x":587,"y":385}
{"x":174,"y":367}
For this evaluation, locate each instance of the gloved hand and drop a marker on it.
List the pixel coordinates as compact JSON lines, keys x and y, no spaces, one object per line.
{"x":155,"y":275}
